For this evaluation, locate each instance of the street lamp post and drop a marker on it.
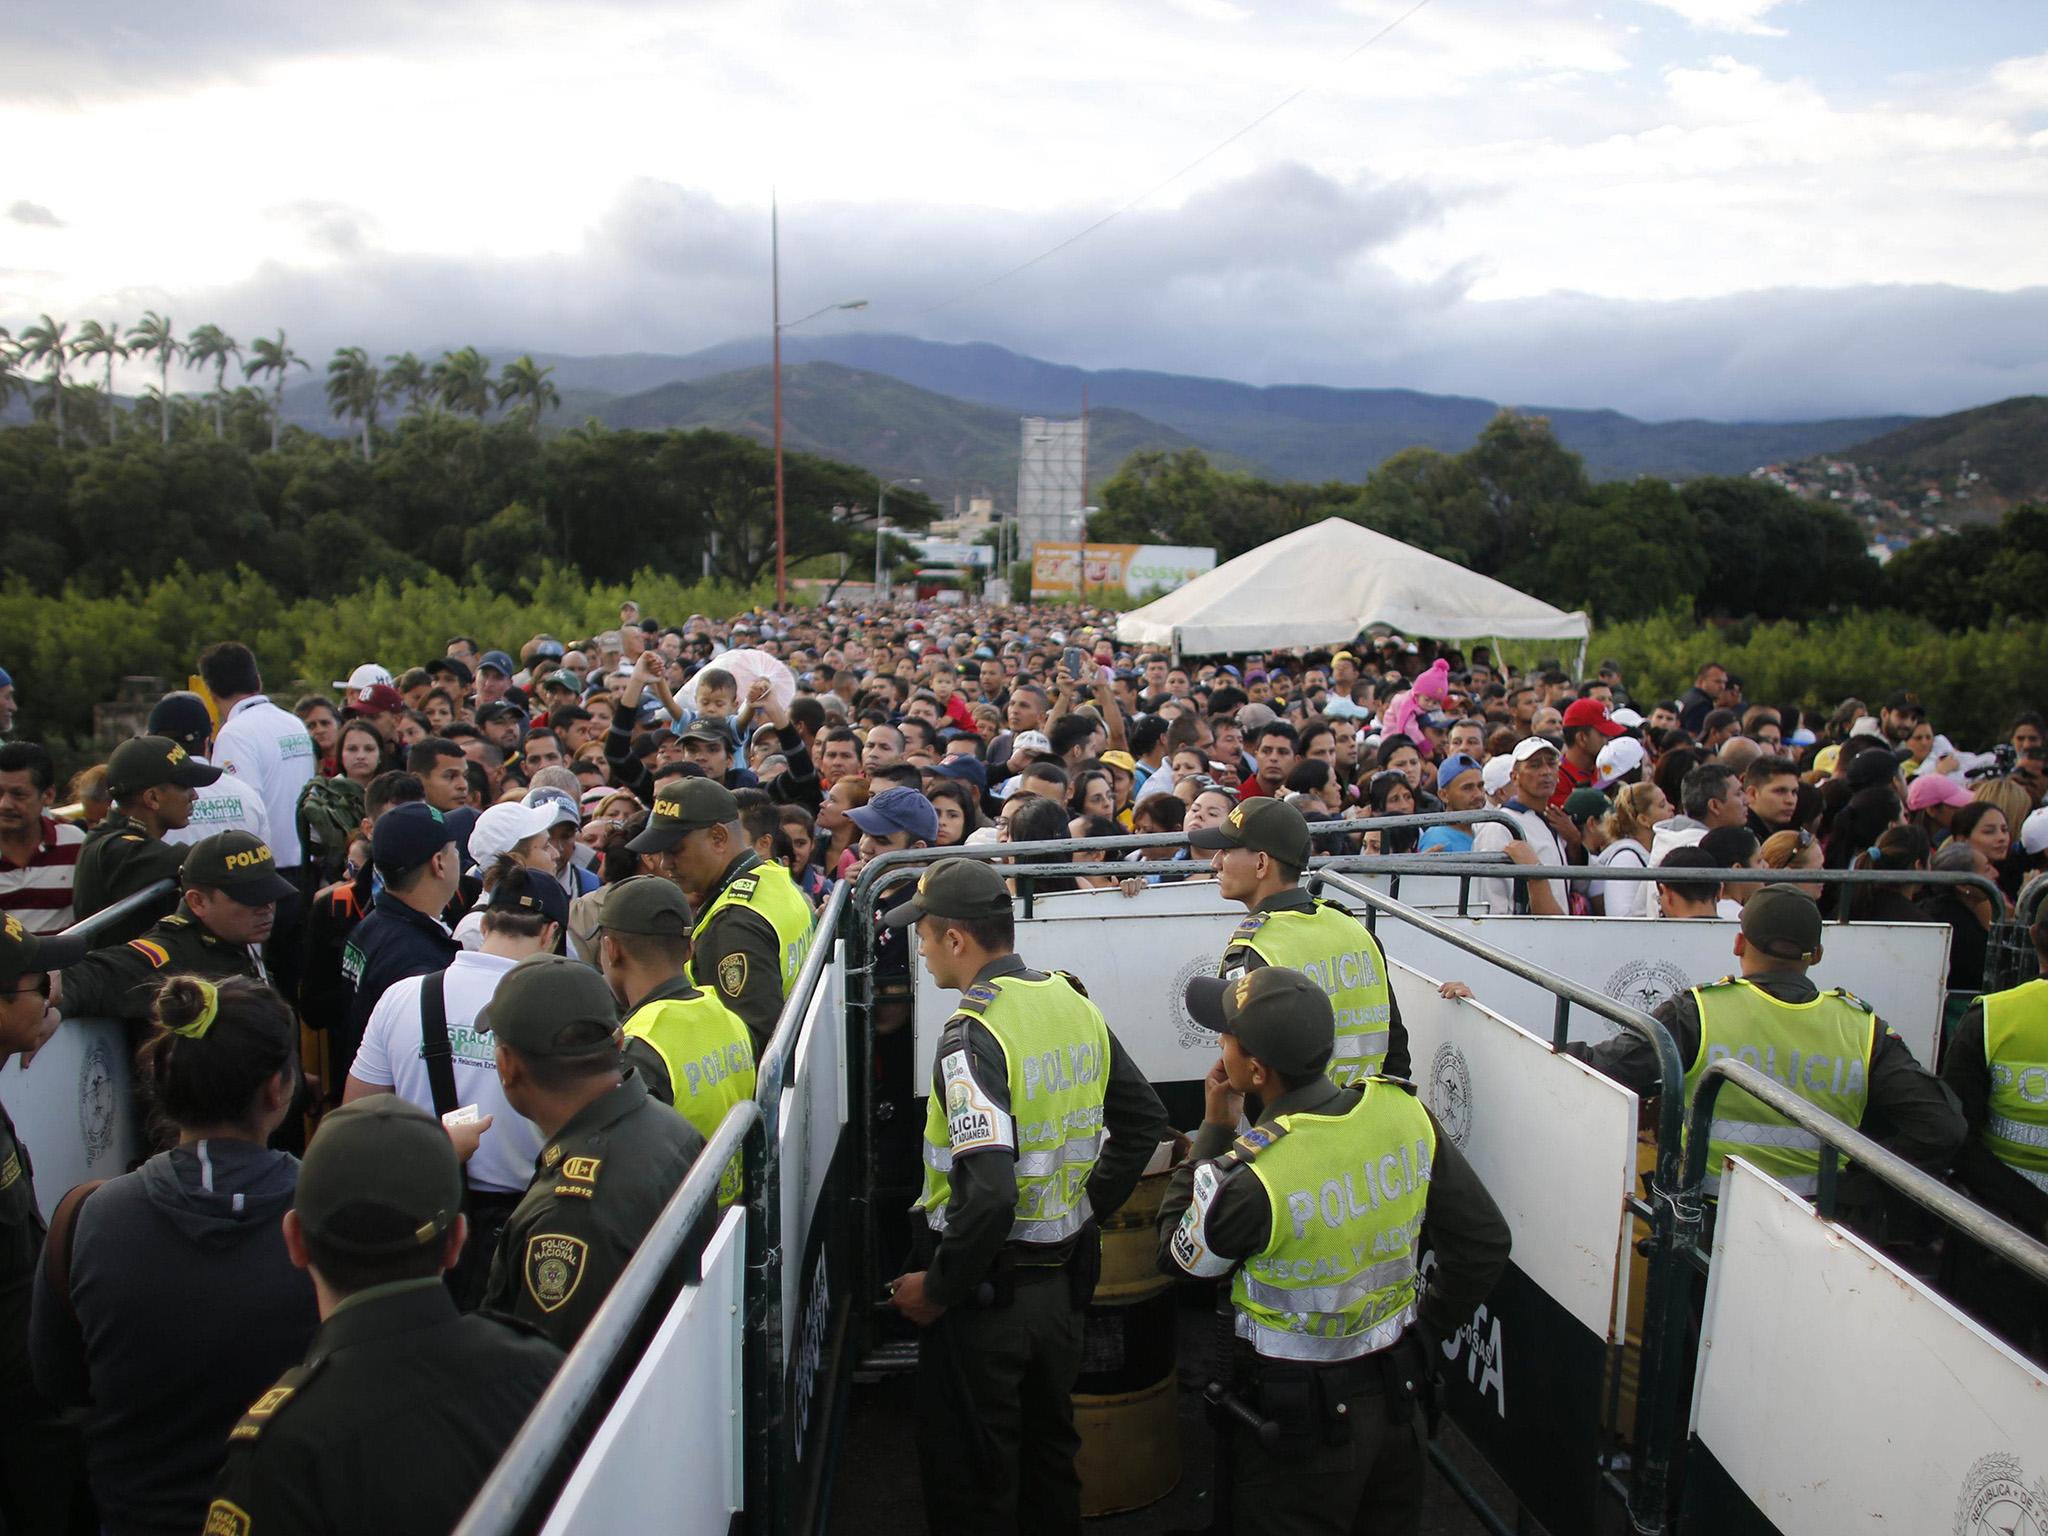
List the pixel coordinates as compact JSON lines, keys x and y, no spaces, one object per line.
{"x":881,"y":527}
{"x":775,"y":300}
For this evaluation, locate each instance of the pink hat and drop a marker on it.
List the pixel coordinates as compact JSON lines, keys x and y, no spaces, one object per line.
{"x":1931,"y":789}
{"x":1436,"y":682}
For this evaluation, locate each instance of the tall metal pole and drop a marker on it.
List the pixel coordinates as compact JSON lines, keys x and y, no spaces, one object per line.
{"x":775,"y":282}
{"x":881,"y":527}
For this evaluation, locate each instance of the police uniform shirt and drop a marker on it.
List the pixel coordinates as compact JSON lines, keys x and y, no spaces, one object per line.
{"x":21,"y":1245}
{"x":737,"y":954}
{"x":119,"y":859}
{"x":1906,"y":1110}
{"x":403,"y":1407}
{"x":120,"y":981}
{"x":1986,"y":1175}
{"x":1239,"y":958}
{"x":1462,"y":1224}
{"x":229,"y":804}
{"x":644,"y":1059}
{"x":983,"y":1185}
{"x":390,"y":1056}
{"x":597,"y":1187}
{"x":269,"y":747}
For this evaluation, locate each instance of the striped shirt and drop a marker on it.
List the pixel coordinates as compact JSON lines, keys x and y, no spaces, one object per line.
{"x":38,"y":893}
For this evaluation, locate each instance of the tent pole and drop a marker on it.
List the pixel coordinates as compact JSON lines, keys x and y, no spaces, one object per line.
{"x":1585,"y":643}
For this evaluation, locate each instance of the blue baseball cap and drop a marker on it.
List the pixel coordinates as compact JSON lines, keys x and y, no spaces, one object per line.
{"x":898,"y":809}
{"x":5,"y":680}
{"x":406,"y":836}
{"x":498,"y":662}
{"x":969,"y":770}
{"x":1455,"y":764}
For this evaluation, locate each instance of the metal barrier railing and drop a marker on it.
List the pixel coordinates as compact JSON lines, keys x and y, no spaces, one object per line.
{"x":148,"y":899}
{"x":1839,"y":1140}
{"x":516,"y":1497}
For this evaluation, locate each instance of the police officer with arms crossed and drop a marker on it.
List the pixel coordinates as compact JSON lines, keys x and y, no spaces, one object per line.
{"x":753,"y":924}
{"x":229,"y":902}
{"x":1260,"y":850}
{"x":613,"y":1154}
{"x":423,"y":1044}
{"x":692,"y":1051}
{"x":1027,"y":1080}
{"x":403,"y":1405}
{"x":1828,"y":1047}
{"x":1320,"y":1214}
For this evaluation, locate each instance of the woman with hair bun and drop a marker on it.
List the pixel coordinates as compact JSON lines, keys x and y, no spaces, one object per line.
{"x":165,"y":1303}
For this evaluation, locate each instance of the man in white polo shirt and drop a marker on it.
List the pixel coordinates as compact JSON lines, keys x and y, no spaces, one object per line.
{"x":1545,"y":830}
{"x":263,"y":744}
{"x":407,"y":1046}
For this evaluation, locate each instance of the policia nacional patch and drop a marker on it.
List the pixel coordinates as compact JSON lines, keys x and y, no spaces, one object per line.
{"x":554,"y":1268}
{"x":225,"y":1518}
{"x":732,"y":975}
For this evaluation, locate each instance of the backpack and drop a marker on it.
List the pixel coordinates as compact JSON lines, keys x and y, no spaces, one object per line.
{"x":330,"y":813}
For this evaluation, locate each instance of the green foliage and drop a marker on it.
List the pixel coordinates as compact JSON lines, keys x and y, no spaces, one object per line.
{"x":1969,"y":679}
{"x":68,"y":648}
{"x":1977,"y":575}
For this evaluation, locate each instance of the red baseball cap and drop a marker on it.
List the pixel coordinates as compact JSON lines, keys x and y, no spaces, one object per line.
{"x":1591,"y":712}
{"x":377,"y":699}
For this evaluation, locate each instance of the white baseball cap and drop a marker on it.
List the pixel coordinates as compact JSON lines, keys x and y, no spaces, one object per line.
{"x":1623,"y":755}
{"x":2034,"y":831}
{"x":503,"y":827}
{"x":368,"y":675}
{"x":1495,"y":775}
{"x":1529,"y":746}
{"x":1626,"y":717}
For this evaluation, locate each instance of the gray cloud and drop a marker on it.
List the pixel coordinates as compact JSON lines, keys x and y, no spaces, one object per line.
{"x":1272,"y":278}
{"x":35,"y":215}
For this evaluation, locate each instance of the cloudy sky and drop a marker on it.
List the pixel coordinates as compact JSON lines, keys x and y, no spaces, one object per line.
{"x":1733,"y":208}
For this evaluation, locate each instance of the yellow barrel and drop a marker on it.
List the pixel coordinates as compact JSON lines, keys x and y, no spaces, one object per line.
{"x":1126,"y":1398}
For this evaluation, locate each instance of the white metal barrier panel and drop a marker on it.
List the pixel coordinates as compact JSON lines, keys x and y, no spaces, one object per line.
{"x":668,"y":1453}
{"x":72,"y":1108}
{"x":1555,"y":1144}
{"x":814,"y":1109}
{"x":1814,"y":1417}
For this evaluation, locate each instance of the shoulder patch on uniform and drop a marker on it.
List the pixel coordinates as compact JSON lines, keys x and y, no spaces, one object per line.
{"x":1250,"y":925}
{"x":1189,"y":1245}
{"x":131,"y":837}
{"x":177,"y":920}
{"x":977,"y":998}
{"x":554,"y":1268}
{"x":744,"y":886}
{"x":157,"y":956}
{"x":1256,"y":1140}
{"x":271,"y":1403}
{"x":973,"y":1121}
{"x":732,"y":974}
{"x":224,"y":1517}
{"x":1073,"y":981}
{"x":1853,"y":1000}
{"x":1394,"y":1082}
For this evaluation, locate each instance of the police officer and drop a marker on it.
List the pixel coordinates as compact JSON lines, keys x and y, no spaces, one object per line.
{"x":1319,"y":1214}
{"x":1027,"y":1081}
{"x":150,"y":780}
{"x":420,"y":863}
{"x":753,"y":924}
{"x":231,"y":889}
{"x":1260,"y":850}
{"x":1828,"y":1047}
{"x":230,"y":801}
{"x":1997,"y":1066}
{"x":403,"y":1405}
{"x":612,"y":1157}
{"x":692,"y":1051}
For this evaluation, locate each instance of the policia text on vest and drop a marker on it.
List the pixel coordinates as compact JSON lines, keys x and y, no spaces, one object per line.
{"x":1038,"y":1122}
{"x":1317,"y":1217}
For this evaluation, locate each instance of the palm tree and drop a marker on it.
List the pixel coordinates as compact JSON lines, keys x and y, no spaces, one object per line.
{"x":103,"y":341}
{"x":524,"y":385}
{"x":267,"y":356}
{"x":462,"y":382}
{"x":353,"y":390}
{"x":405,"y":376}
{"x":154,"y":337}
{"x":11,"y":381}
{"x":45,"y":342}
{"x":211,"y":344}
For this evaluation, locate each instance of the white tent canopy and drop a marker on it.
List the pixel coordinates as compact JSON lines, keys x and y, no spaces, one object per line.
{"x":1324,"y":584}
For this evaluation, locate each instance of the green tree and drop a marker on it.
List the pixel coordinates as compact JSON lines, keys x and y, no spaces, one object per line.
{"x":1773,"y":555}
{"x":211,"y":344}
{"x":1527,"y":474}
{"x":406,"y":378}
{"x":524,"y":386}
{"x":353,"y":390}
{"x":153,"y":336}
{"x":1420,"y":487}
{"x":11,"y":381}
{"x":45,"y":343}
{"x":273,"y":357}
{"x":1631,"y":551}
{"x":103,"y":342}
{"x":462,"y":383}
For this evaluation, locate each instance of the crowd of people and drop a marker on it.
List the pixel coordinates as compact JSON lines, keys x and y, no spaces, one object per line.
{"x":556,"y":896}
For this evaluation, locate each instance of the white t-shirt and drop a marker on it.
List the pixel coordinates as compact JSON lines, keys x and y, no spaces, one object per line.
{"x":391,"y":1053}
{"x":1625,"y":898}
{"x":229,"y":804}
{"x":1491,"y":837}
{"x":269,"y":747}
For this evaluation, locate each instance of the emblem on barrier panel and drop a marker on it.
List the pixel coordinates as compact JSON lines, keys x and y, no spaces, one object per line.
{"x":1450,"y":1092}
{"x":1190,"y":1035}
{"x":1646,"y":983}
{"x":96,"y":1106}
{"x":1996,"y":1502}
